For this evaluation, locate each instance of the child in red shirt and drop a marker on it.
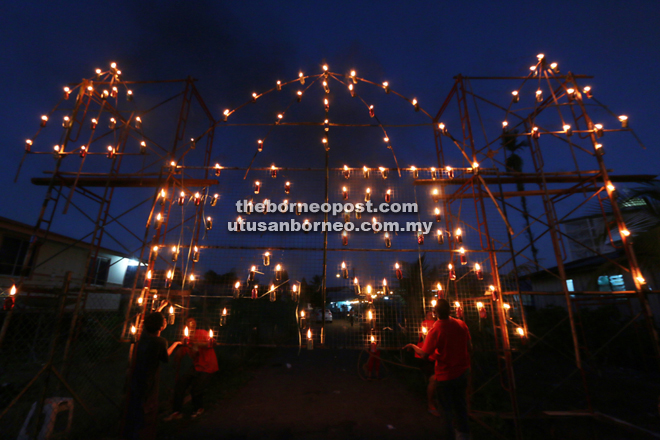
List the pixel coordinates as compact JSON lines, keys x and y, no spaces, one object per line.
{"x":205,"y":363}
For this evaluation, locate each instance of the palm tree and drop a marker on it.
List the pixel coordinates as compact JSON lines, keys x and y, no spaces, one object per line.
{"x":515,"y":163}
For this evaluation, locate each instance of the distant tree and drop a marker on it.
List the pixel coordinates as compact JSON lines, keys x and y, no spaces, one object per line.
{"x":316,"y":295}
{"x":515,"y":163}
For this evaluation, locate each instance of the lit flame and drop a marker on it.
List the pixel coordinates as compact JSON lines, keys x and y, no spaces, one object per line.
{"x":211,"y":334}
{"x":237,"y":285}
{"x":133,"y":329}
{"x":480,"y":305}
{"x":641,"y":279}
{"x":295,"y":288}
{"x":224,"y":311}
{"x":192,"y":277}
{"x":370,"y":315}
{"x":625,"y":232}
{"x":309,"y":333}
{"x":373,"y":340}
{"x":186,"y":333}
{"x":278,"y":267}
{"x":457,"y":304}
{"x":13,"y":290}
{"x":149,"y":275}
{"x":439,"y":286}
{"x":343,"y":265}
{"x":437,"y":210}
{"x":139,"y":300}
{"x":169,"y":274}
{"x":424,"y":330}
{"x":171,"y":310}
{"x":384,"y":282}
{"x":355,"y":281}
{"x":461,"y":250}
{"x":506,"y":306}
{"x":477,"y":267}
{"x":450,"y":266}
{"x":369,"y":289}
{"x":302,"y":313}
{"x":396,"y":265}
{"x":491,"y":288}
{"x":435,"y":191}
{"x":520,"y":331}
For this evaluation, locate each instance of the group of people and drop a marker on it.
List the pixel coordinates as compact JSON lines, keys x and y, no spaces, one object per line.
{"x":152,"y":350}
{"x":446,"y":347}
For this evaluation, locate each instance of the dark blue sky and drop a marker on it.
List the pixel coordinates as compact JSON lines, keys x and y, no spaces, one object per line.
{"x":234,"y":48}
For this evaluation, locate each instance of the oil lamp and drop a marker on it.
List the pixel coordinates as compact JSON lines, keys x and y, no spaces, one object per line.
{"x":452,"y":272}
{"x":459,"y":310}
{"x":478,"y":271}
{"x":462,"y":256}
{"x":344,"y":270}
{"x":398,"y":271}
{"x":186,"y":336}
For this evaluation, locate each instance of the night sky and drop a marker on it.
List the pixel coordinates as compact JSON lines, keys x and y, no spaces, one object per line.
{"x":235,"y":48}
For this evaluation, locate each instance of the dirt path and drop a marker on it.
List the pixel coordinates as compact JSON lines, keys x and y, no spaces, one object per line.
{"x":317,"y":395}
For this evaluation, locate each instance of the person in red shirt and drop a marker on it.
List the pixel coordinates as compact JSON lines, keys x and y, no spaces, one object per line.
{"x":205,"y":363}
{"x":449,"y":340}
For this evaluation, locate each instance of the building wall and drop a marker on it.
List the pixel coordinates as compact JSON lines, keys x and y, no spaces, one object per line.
{"x":56,"y":257}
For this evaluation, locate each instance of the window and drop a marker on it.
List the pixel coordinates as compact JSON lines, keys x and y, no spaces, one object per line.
{"x":98,"y":271}
{"x":617,"y":283}
{"x":12,"y":255}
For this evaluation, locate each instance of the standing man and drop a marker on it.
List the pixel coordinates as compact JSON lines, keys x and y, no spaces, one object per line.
{"x":450,"y":340}
{"x":205,"y":363}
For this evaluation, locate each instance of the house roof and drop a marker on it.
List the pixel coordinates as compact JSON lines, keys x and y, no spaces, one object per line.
{"x":25,"y":229}
{"x":581,"y":264}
